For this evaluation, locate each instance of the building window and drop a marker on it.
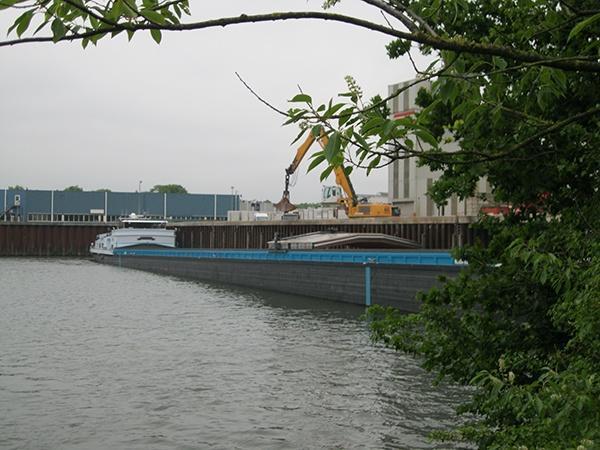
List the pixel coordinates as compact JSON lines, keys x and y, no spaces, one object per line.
{"x":406,"y":178}
{"x":429,"y":201}
{"x":454,"y":205}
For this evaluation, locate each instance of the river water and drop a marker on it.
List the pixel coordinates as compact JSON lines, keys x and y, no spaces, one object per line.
{"x":100,"y":357}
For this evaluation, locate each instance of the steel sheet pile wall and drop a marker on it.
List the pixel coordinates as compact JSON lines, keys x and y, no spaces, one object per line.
{"x":47,"y":240}
{"x":74,"y":240}
{"x":256,"y":235}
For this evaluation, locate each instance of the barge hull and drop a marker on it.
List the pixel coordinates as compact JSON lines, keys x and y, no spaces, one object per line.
{"x":363,"y":284}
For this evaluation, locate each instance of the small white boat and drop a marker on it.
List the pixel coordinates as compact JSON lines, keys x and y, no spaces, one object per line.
{"x":135,"y":231}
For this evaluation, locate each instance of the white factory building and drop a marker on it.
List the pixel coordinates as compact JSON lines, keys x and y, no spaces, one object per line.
{"x":408,"y":183}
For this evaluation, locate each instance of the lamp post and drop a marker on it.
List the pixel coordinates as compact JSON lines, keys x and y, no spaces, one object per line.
{"x":139,"y":197}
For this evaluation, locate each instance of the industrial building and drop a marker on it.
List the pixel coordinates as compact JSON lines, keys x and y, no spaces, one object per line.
{"x":408,"y":183}
{"x":101,"y":207}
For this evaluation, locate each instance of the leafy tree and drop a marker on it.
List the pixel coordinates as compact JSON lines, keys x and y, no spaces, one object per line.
{"x":75,"y":188}
{"x":169,"y":189}
{"x":516,"y":84}
{"x":16,"y":187}
{"x":103,"y":190}
{"x":308,"y":205}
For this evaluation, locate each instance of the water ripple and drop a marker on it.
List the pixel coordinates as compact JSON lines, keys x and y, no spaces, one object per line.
{"x":96,"y":357}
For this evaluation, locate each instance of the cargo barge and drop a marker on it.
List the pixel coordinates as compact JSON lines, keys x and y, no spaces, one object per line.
{"x":303,"y":265}
{"x":390,"y":278}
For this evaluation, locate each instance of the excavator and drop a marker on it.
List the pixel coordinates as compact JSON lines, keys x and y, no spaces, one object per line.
{"x":353,"y":207}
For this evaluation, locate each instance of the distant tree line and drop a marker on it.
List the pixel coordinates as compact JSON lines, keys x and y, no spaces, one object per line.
{"x":169,"y":189}
{"x":158,"y":188}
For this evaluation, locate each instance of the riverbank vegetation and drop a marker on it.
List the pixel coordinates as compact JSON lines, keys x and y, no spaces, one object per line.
{"x":517,"y":85}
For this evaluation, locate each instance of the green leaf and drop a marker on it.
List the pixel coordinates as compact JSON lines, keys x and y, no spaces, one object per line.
{"x":361,"y":141}
{"x":388,"y":128}
{"x":426,"y":136}
{"x":332,"y":110}
{"x":582,"y":25}
{"x":58,"y":30}
{"x":345,"y":115}
{"x":318,"y":159}
{"x":127,"y":11}
{"x":156,"y":35}
{"x":153,"y":16}
{"x":544,"y":97}
{"x":295,"y":116}
{"x":373,"y":164}
{"x":373,"y":125}
{"x":449,"y":90}
{"x":22,"y":22}
{"x":316,"y":130}
{"x":499,"y":62}
{"x":539,"y":405}
{"x":559,"y":78}
{"x":302,"y":131}
{"x":301,"y":98}
{"x":117,"y":9}
{"x":8,"y":3}
{"x":95,"y":38}
{"x":177,"y":10}
{"x":333,"y":147}
{"x":325,"y":173}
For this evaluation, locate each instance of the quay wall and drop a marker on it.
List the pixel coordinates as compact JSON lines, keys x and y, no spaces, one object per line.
{"x":440,"y":233}
{"x":48,"y":239}
{"x":363,"y":284}
{"x":60,"y":239}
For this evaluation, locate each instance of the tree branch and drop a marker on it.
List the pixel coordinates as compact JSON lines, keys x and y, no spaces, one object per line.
{"x":260,"y":99}
{"x":415,"y":17}
{"x":89,"y":12}
{"x":457,"y":44}
{"x":551,"y":129}
{"x":394,"y":13}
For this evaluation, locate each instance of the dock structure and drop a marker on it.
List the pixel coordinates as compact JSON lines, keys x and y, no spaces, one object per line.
{"x":441,"y":233}
{"x":237,"y":254}
{"x":62,"y":239}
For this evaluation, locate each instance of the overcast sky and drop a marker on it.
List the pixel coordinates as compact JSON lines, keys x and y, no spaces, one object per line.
{"x":110,"y":116}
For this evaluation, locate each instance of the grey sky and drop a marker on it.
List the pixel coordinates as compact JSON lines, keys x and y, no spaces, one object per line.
{"x":175,"y":113}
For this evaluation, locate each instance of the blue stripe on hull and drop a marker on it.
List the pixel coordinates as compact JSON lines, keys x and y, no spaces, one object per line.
{"x":356,"y":257}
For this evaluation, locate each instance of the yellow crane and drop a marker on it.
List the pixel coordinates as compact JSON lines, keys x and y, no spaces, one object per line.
{"x":353,"y":208}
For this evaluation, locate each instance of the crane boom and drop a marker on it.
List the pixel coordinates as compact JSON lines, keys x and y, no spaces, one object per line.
{"x":284,"y":204}
{"x":350,"y":200}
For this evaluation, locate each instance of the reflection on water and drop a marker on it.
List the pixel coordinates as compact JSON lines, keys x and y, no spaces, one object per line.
{"x":97,"y":357}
